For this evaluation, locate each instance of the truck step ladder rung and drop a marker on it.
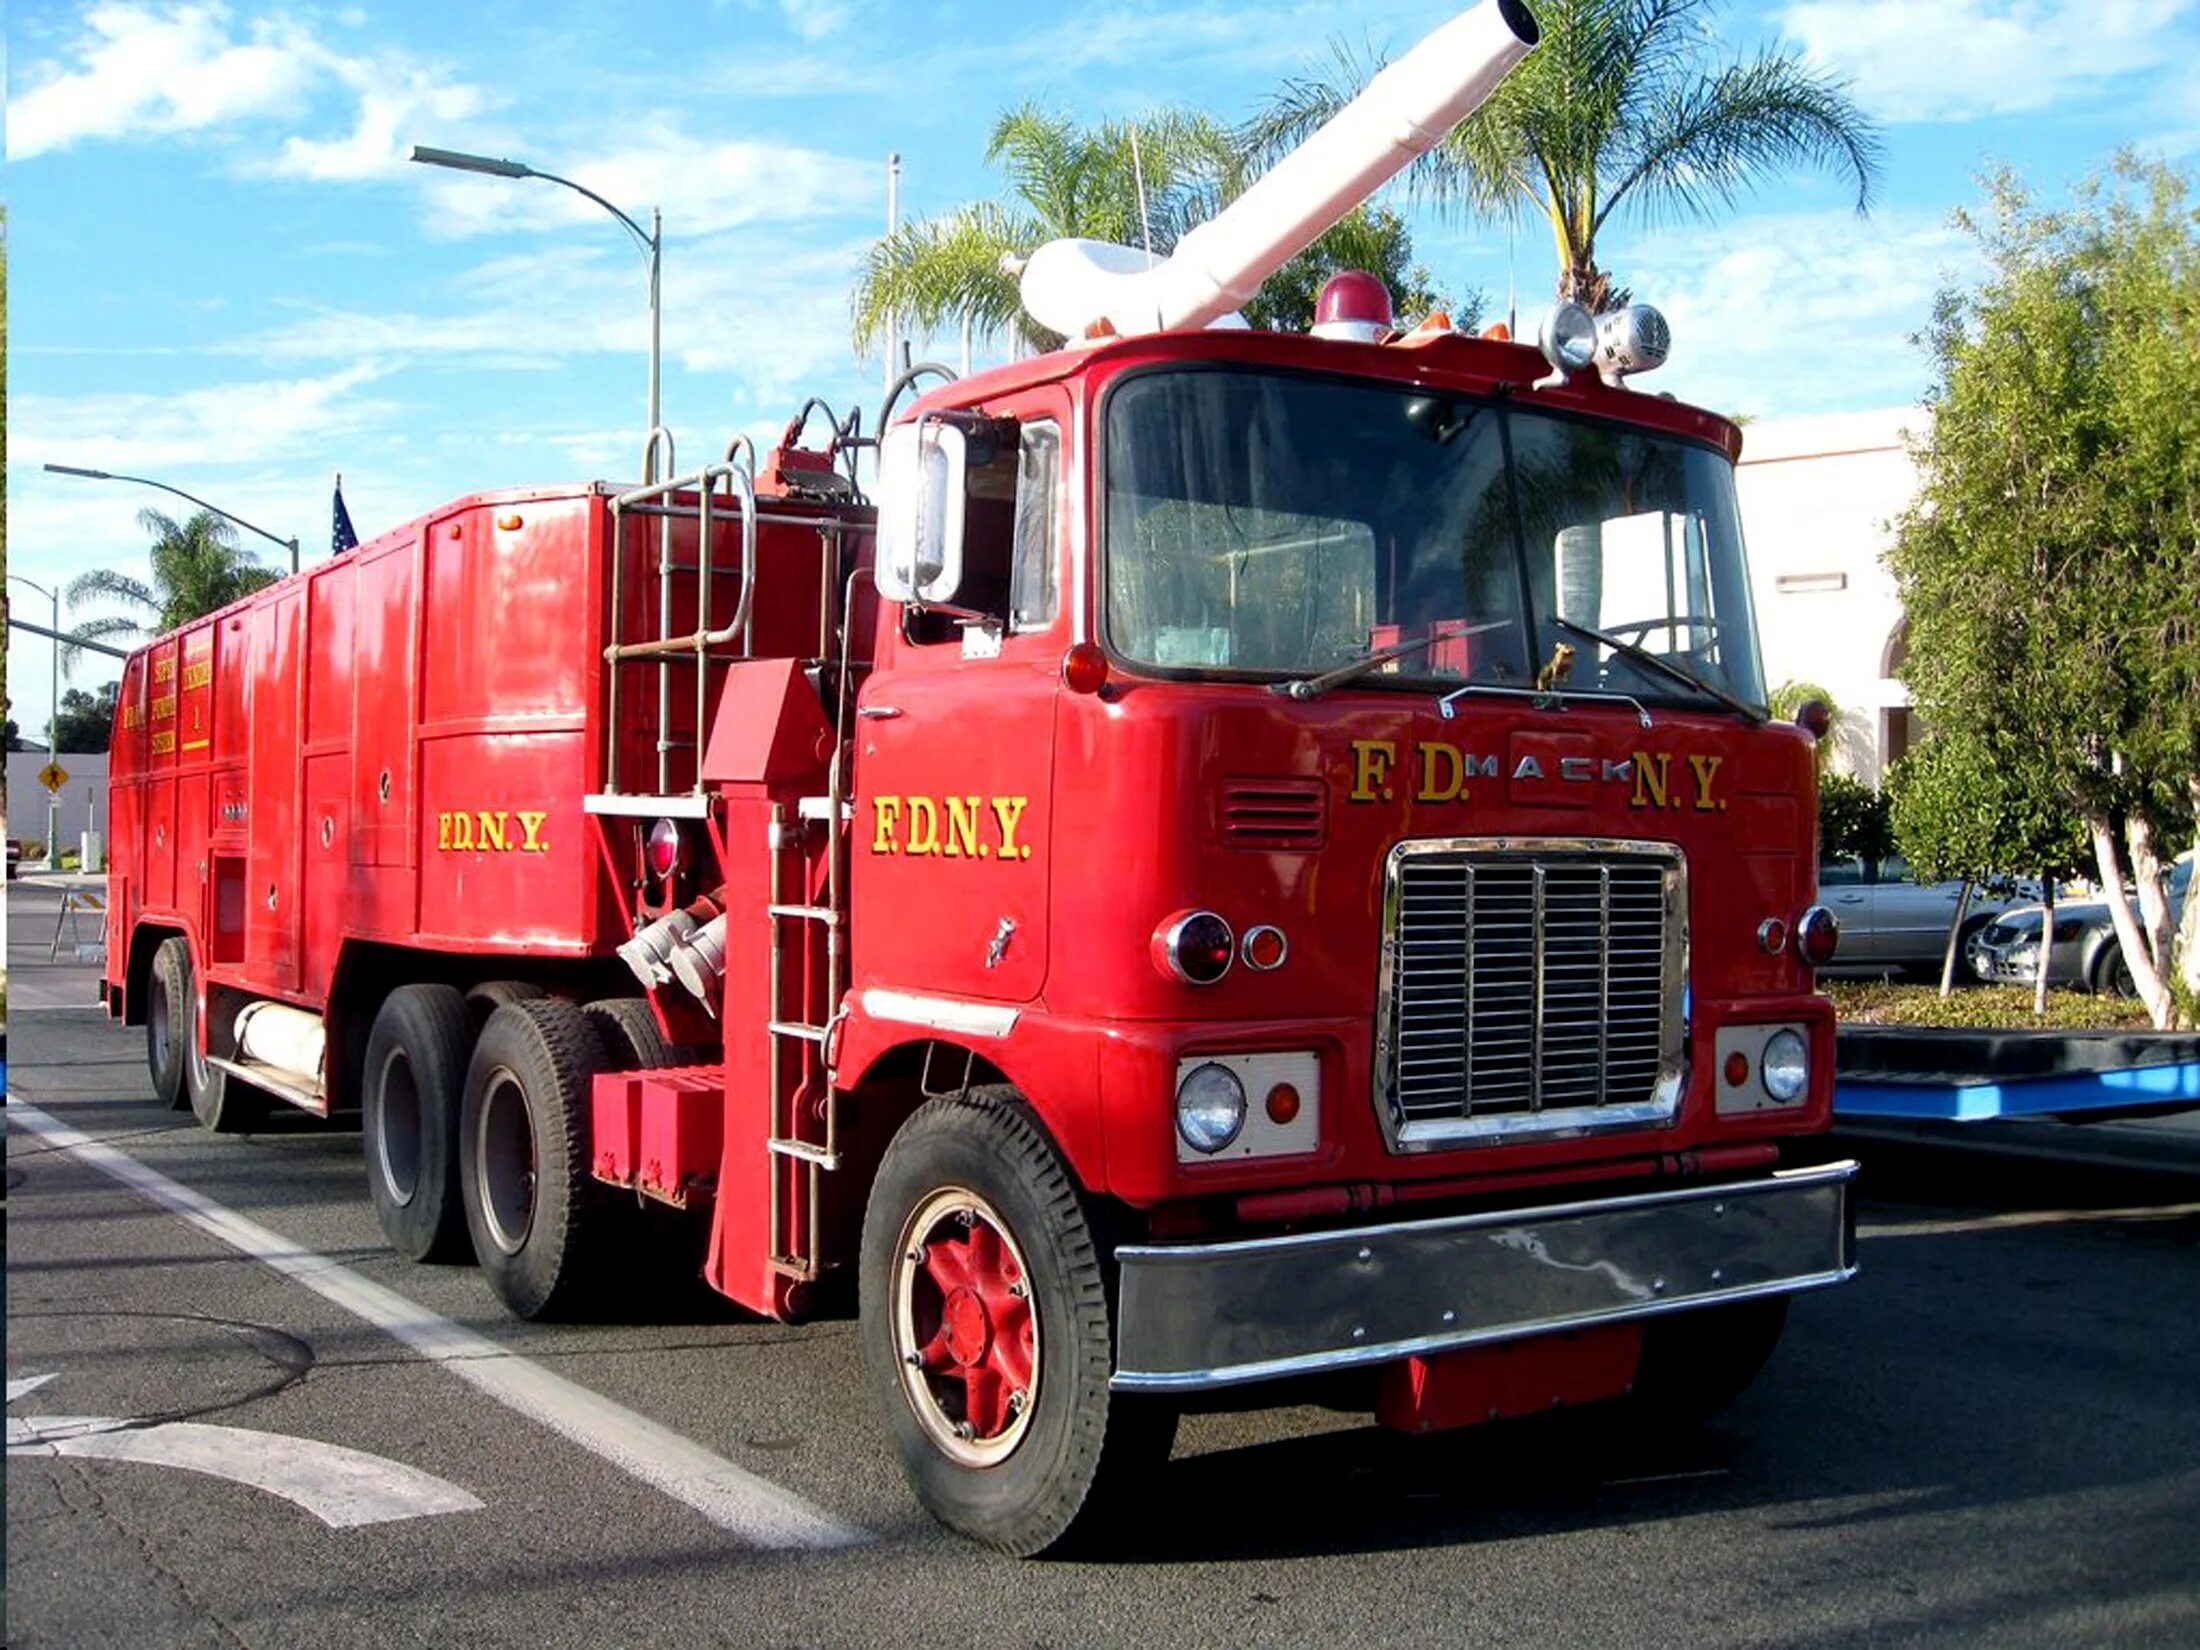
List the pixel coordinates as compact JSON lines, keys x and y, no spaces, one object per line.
{"x":821,"y":808}
{"x":808,"y":913}
{"x":794,"y":1028}
{"x":806,"y":1152}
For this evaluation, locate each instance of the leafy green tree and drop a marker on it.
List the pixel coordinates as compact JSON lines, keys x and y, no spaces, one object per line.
{"x":197,"y":567}
{"x":1373,"y":238}
{"x":1985,"y":810}
{"x":1788,"y":699}
{"x":1066,"y":179}
{"x":2050,"y":564}
{"x":86,"y":720}
{"x":1853,"y":819}
{"x":1618,"y":110}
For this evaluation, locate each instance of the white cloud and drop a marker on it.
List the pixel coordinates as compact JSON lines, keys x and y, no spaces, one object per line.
{"x":138,"y":71}
{"x":1782,"y":314}
{"x":235,"y":424}
{"x":1962,"y":59}
{"x":704,"y":185}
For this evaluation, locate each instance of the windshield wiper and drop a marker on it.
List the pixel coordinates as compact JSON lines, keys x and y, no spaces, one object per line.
{"x":1666,"y":667}
{"x":1313,"y":687}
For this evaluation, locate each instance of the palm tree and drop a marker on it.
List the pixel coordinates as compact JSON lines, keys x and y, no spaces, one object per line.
{"x":197,"y":567}
{"x":1064,"y":180}
{"x":1618,"y":108}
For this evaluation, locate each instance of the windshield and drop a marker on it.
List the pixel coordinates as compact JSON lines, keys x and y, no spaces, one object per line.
{"x":1267,"y":524}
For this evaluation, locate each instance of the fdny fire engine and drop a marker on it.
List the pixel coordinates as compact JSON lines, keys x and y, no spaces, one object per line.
{"x":1247,"y":859}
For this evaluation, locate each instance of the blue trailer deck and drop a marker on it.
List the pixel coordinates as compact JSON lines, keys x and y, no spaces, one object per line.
{"x":1963,"y":1076}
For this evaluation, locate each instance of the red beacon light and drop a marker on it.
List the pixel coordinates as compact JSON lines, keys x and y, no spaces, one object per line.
{"x":1354,"y":307}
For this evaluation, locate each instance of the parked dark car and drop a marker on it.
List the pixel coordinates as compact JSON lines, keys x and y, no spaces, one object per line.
{"x":2087,"y":955}
{"x":1890,"y":922}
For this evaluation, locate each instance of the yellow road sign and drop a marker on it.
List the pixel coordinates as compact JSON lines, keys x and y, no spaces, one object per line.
{"x":53,"y":776}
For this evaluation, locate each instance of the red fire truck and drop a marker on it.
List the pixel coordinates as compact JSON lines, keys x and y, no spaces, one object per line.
{"x":1257,"y":859}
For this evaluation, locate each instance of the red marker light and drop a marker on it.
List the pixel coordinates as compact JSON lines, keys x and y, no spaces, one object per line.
{"x":1084,"y":669}
{"x":663,"y":852}
{"x":1283,"y":1104}
{"x":1737,"y":1069}
{"x":1265,"y":948}
{"x":1194,"y":946}
{"x":1817,"y":936}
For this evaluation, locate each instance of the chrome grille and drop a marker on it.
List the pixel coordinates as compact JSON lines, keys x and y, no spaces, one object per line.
{"x":1530,"y":988}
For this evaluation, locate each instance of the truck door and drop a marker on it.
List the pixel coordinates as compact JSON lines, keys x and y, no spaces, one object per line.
{"x":950,"y":846}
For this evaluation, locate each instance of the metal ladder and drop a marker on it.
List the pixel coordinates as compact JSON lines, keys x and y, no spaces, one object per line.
{"x":701,"y":648}
{"x":790,"y":1142}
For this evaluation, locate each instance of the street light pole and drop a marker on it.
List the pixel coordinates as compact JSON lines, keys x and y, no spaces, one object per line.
{"x":652,"y":241}
{"x":290,"y":544}
{"x":53,"y":724}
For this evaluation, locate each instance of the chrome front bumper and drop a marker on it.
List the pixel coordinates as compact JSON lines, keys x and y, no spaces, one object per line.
{"x":1223,"y":1314}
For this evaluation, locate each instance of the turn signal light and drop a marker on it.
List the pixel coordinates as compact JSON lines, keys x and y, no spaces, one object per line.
{"x":1195,"y":947}
{"x":1737,"y":1069}
{"x":1283,"y":1104}
{"x":1817,"y":936}
{"x":1084,"y":669}
{"x":1265,"y":948}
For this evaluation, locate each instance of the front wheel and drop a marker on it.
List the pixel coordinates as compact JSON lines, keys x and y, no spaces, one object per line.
{"x":988,"y":1331}
{"x":169,"y":1015}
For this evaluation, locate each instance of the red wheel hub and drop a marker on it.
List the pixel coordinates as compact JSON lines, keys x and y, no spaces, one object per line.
{"x":978,"y":1328}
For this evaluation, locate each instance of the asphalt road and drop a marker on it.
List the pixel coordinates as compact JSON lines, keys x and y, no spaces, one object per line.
{"x":1992,"y":1437}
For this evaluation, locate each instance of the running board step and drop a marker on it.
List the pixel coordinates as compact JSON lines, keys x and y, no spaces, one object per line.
{"x":299,"y":1088}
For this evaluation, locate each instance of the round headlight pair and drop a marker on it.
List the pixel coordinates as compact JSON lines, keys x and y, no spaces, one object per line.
{"x":1210,"y":1107}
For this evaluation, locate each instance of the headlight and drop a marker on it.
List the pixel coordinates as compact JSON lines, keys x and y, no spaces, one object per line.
{"x":1568,"y":336}
{"x":1210,"y":1108}
{"x":1785,"y":1068}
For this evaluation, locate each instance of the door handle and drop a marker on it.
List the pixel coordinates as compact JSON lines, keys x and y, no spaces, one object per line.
{"x":878,"y":713}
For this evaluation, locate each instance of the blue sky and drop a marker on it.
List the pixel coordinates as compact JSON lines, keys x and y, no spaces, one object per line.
{"x":226,"y":277}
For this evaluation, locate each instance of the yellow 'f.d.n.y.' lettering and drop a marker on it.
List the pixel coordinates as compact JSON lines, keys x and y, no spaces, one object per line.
{"x":949,"y":827}
{"x":491,"y":831}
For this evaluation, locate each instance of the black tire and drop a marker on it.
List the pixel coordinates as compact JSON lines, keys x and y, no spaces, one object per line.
{"x":1054,"y":1470}
{"x":538,"y":1218}
{"x":1696,"y":1363}
{"x":410,"y":1092}
{"x":168,"y":1014}
{"x":489,"y":996}
{"x":632,"y":1039}
{"x":221,"y":1104}
{"x":2112,"y":974}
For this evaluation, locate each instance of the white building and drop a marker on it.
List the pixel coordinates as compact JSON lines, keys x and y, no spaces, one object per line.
{"x":1819,"y":497}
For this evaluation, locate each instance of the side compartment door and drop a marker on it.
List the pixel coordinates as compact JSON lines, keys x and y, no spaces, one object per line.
{"x":272,"y":892}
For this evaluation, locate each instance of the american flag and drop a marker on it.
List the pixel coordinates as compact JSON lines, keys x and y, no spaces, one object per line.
{"x":341,"y":537}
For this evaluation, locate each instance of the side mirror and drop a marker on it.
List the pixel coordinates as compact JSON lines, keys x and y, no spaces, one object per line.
{"x":923,"y":469}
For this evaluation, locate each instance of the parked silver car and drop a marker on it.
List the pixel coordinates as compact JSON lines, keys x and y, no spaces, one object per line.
{"x":1890,"y":922}
{"x":2087,"y":956}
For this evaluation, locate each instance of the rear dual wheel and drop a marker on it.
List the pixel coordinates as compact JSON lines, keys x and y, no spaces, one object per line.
{"x":538,"y":1217}
{"x":988,"y":1329}
{"x":175,"y":1051}
{"x":415,"y":1073}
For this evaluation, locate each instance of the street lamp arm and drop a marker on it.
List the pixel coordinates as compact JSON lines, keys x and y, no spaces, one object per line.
{"x":146,"y":481}
{"x":649,"y":241}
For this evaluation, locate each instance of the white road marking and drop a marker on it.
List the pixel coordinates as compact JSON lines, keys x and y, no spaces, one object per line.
{"x":25,"y":1386}
{"x":341,"y":1487}
{"x":735,"y":1500}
